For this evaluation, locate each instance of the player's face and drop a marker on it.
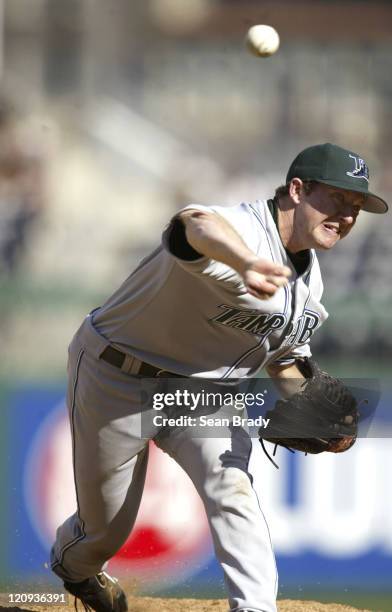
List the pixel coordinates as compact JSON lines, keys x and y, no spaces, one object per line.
{"x":327,"y":215}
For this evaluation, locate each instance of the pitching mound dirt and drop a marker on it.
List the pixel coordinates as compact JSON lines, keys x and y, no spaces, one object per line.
{"x":152,"y":604}
{"x":155,"y":604}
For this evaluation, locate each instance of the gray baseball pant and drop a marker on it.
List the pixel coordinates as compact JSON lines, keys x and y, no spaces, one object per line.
{"x":110,"y":462}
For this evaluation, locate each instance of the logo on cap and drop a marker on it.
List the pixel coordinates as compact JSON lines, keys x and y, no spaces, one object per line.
{"x":361,"y":170}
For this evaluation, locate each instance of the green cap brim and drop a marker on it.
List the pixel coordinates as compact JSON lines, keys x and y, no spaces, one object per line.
{"x":372,"y":204}
{"x":330,"y":164}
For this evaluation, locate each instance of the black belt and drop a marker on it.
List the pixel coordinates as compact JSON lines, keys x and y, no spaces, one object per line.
{"x":117,"y":358}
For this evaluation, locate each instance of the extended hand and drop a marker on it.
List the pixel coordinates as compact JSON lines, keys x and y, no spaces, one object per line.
{"x":263,"y":278}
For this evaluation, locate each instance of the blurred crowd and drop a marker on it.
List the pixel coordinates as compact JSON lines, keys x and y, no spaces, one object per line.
{"x":114,"y":119}
{"x":22,"y":190}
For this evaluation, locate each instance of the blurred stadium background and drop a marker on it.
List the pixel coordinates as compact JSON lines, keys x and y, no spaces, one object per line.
{"x":112,"y":117}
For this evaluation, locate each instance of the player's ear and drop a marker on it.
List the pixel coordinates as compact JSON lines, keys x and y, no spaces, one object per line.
{"x":296,"y":190}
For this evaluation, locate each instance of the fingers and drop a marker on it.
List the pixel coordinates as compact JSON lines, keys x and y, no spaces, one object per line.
{"x":270,"y":269}
{"x":263,"y":278}
{"x":278,"y":281}
{"x":263,"y":288}
{"x":282,"y":271}
{"x":260,"y":295}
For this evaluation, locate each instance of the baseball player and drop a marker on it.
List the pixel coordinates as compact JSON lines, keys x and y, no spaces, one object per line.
{"x":229,"y":292}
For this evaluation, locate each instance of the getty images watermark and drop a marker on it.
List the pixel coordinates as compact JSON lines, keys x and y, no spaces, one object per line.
{"x":186,"y":399}
{"x":211,"y":408}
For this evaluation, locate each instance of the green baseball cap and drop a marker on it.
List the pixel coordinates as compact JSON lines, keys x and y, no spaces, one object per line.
{"x":327,"y":163}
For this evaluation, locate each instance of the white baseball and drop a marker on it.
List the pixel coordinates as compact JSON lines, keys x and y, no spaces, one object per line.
{"x":262,"y":40}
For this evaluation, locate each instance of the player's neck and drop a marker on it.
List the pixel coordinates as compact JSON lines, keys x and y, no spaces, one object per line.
{"x":285,"y":215}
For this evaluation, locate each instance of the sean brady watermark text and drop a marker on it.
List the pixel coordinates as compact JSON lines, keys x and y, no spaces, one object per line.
{"x":207,"y":421}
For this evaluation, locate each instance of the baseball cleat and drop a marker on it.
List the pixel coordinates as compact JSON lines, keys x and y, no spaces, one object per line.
{"x":101,"y":593}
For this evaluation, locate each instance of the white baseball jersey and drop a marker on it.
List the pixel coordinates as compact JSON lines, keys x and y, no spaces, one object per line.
{"x":196,"y":318}
{"x":192,"y":318}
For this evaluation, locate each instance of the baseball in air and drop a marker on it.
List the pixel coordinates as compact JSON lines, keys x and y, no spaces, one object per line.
{"x":262,"y":40}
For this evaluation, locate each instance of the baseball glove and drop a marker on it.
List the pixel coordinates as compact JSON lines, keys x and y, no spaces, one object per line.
{"x":322,"y":416}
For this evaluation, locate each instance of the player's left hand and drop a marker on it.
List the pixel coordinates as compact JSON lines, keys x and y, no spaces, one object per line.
{"x":322,"y":416}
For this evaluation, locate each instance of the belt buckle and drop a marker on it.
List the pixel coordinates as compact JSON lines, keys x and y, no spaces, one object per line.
{"x":158,"y":373}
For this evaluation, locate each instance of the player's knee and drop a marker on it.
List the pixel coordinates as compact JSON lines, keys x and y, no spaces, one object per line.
{"x":231,"y":491}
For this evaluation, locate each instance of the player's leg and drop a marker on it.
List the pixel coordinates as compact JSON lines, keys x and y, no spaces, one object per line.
{"x":110,"y":462}
{"x":219,"y":469}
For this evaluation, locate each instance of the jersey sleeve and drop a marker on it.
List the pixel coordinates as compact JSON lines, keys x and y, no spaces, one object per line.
{"x":296,"y":353}
{"x":174,"y":242}
{"x":238,"y":216}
